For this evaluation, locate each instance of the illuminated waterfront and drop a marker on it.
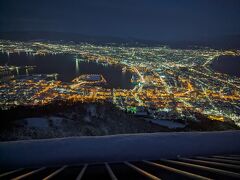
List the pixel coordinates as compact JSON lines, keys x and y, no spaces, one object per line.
{"x":67,"y":67}
{"x":165,"y":83}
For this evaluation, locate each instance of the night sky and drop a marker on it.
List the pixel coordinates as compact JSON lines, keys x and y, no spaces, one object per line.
{"x":145,"y":19}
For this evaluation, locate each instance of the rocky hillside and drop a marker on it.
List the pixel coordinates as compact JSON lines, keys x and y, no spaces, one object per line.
{"x":77,"y":120}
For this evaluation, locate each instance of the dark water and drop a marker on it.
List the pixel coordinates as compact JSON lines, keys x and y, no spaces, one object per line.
{"x":67,"y":68}
{"x":228,"y":65}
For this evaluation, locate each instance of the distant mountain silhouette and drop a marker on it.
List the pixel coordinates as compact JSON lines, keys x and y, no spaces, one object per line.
{"x":67,"y":37}
{"x":220,"y":42}
{"x":223,"y":42}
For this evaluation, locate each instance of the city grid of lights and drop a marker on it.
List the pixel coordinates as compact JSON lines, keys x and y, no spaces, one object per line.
{"x":167,"y":83}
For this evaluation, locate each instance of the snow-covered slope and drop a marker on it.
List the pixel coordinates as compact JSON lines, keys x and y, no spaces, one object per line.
{"x":117,"y":148}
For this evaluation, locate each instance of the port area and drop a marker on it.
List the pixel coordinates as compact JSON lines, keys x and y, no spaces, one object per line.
{"x":89,"y":79}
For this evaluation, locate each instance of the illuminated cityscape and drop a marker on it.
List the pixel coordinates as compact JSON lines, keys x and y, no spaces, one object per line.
{"x":166,"y":83}
{"x":119,"y":90}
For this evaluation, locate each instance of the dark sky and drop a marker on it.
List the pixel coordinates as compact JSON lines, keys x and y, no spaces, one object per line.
{"x":145,"y":19}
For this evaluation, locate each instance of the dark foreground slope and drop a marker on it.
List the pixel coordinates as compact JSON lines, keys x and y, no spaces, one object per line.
{"x":71,"y":120}
{"x":65,"y":119}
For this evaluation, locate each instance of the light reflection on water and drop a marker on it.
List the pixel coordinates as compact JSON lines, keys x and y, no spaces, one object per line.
{"x":68,"y":67}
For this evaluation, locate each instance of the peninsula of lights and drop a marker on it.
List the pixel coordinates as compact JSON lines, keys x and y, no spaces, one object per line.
{"x":167,"y":83}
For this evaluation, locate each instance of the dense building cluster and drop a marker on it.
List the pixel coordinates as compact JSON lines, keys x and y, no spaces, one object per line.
{"x":167,"y":83}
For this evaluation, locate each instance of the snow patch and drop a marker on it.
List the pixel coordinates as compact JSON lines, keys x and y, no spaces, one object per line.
{"x":167,"y":123}
{"x":37,"y":122}
{"x":56,"y":121}
{"x":127,"y":147}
